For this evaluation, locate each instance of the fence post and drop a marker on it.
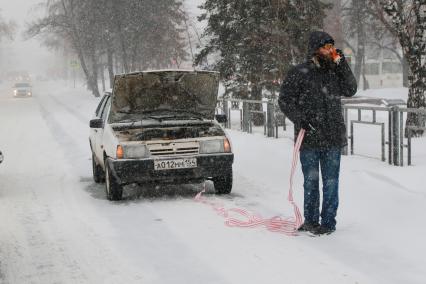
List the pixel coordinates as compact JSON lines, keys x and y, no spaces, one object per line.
{"x":225,"y":111}
{"x":383,"y":143}
{"x":409,"y":147}
{"x":401,"y":138}
{"x":270,"y":119}
{"x":345,"y":117}
{"x":284,"y":124}
{"x":241,"y":119}
{"x":390,"y":136}
{"x":395,"y":135}
{"x":229,"y":118}
{"x":352,"y":137}
{"x":264,"y":124}
{"x":246,"y":118}
{"x":250,"y":123}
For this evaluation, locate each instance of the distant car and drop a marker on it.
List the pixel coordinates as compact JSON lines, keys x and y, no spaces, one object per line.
{"x":22,"y":90}
{"x":160,"y":127}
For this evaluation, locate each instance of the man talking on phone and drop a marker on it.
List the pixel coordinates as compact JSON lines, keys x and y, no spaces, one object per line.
{"x":310,"y":97}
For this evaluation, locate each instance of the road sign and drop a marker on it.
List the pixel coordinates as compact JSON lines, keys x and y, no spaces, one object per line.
{"x":74,"y":64}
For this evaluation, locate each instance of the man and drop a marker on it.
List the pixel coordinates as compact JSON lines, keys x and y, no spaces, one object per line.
{"x":310,"y":98}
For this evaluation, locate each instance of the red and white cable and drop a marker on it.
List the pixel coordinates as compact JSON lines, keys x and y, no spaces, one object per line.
{"x":285,"y":225}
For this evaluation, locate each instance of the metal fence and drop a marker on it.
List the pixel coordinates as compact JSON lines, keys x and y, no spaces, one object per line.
{"x":241,"y":111}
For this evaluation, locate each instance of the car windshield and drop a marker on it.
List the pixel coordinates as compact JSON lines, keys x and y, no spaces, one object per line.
{"x":22,"y":85}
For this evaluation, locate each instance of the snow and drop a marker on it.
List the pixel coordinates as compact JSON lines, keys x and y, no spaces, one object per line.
{"x":386,"y":93}
{"x":58,"y":227}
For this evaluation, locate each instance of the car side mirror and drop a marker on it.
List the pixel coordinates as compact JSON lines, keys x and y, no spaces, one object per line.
{"x":221,"y":118}
{"x":96,"y":123}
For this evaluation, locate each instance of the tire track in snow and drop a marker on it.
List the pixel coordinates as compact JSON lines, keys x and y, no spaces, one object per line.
{"x":51,"y":240}
{"x":74,"y":153}
{"x":72,"y":111}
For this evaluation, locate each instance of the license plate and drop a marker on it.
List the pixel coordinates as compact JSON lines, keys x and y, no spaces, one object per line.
{"x":175,"y":164}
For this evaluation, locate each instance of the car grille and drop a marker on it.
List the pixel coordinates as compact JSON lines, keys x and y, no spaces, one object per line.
{"x":174,"y":149}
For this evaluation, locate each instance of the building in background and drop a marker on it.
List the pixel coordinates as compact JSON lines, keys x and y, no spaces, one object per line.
{"x":382,"y":68}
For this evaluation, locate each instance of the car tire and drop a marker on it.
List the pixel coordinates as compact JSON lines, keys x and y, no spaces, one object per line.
{"x":114,"y":190}
{"x":98,"y":172}
{"x":223,"y":184}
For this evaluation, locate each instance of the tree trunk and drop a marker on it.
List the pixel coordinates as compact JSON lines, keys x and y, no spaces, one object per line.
{"x":124,"y":54}
{"x":416,"y":95}
{"x":361,"y":40}
{"x":257,"y":115}
{"x":83,"y":63}
{"x":405,"y":71}
{"x":102,"y":72}
{"x":365,"y":84}
{"x":94,"y":77}
{"x":110,"y":64}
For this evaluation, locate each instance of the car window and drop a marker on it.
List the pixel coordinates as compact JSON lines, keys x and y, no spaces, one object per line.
{"x":22,"y":85}
{"x":100,"y":106}
{"x":106,"y":108}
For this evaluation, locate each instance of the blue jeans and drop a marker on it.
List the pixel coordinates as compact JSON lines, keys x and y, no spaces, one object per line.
{"x":329,"y":160}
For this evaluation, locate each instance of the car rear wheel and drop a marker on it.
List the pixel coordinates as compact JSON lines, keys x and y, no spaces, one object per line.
{"x":98,"y":172}
{"x":223,"y":184}
{"x":114,"y":190}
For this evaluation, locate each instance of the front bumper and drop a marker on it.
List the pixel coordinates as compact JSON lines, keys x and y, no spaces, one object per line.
{"x":128,"y":171}
{"x":22,"y":95}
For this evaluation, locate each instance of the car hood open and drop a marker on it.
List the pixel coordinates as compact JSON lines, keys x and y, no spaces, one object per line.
{"x":168,"y":90}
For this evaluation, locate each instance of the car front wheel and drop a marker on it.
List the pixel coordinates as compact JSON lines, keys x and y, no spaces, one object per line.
{"x":114,"y":190}
{"x":223,"y":184}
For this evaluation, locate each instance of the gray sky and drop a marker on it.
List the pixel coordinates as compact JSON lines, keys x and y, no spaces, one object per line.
{"x":20,"y":54}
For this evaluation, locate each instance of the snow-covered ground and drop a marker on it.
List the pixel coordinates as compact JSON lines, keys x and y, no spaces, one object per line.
{"x":58,"y":227}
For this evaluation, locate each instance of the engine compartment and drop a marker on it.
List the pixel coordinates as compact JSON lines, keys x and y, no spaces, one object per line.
{"x":169,"y":132}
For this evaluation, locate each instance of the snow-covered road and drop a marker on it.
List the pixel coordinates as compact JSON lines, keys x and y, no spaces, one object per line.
{"x":58,"y":227}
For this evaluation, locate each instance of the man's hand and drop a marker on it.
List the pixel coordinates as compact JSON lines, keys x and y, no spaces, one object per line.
{"x":307,"y":125}
{"x":337,"y":56}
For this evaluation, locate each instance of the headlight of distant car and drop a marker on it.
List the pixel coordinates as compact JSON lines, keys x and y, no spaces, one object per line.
{"x":215,"y":146}
{"x":132,"y":151}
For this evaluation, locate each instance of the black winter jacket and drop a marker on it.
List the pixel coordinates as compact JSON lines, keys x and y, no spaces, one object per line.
{"x":312,"y":93}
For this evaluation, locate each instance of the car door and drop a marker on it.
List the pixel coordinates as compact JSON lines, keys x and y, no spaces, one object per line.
{"x":99,"y":148}
{"x":94,"y":131}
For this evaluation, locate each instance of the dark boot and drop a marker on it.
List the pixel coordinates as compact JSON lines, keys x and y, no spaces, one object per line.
{"x":309,"y":227}
{"x":322,"y":230}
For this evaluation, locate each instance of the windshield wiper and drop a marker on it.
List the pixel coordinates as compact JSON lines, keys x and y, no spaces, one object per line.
{"x":191,"y":113}
{"x":169,"y":117}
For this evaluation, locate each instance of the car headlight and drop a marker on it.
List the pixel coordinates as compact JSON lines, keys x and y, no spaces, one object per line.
{"x":212,"y":146}
{"x":134,"y":151}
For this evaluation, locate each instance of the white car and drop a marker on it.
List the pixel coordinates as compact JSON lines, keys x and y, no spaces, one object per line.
{"x":160,"y":127}
{"x":22,"y":90}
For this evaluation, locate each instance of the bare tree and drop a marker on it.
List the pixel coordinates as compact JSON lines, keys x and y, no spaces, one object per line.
{"x":7,"y":29}
{"x":122,"y":35}
{"x":406,"y":19}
